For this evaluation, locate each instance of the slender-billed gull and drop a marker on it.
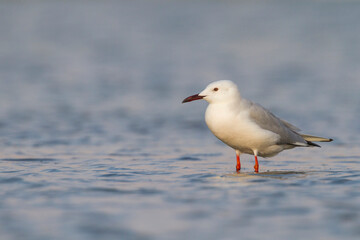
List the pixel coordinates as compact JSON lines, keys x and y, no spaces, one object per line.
{"x":248,"y":127}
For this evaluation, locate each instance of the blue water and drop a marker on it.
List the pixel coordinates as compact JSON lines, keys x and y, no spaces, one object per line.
{"x":95,"y":143}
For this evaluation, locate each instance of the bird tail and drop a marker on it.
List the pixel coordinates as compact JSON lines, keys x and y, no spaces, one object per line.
{"x":311,"y":138}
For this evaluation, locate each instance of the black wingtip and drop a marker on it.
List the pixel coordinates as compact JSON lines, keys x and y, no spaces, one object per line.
{"x":312,"y":144}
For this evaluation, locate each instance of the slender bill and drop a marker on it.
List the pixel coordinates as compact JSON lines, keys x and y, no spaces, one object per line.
{"x":192,"y":98}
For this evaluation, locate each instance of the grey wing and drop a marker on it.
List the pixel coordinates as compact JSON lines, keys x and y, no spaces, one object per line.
{"x":289,"y":125}
{"x":266,"y":120}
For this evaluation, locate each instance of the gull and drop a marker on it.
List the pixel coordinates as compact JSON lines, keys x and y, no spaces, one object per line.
{"x":247,"y":127}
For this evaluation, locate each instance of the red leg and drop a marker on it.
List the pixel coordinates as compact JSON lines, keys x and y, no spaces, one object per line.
{"x":256,"y":167}
{"x":238,"y":165}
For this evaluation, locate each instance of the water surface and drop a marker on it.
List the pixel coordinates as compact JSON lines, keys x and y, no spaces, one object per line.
{"x":95,"y":143}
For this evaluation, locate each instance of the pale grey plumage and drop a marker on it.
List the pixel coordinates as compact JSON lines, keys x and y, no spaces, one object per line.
{"x":268,"y":121}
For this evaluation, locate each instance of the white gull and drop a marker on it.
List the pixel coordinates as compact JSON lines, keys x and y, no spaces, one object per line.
{"x":248,"y":127}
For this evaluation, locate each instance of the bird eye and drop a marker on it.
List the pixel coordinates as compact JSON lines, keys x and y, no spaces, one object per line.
{"x":215,"y":89}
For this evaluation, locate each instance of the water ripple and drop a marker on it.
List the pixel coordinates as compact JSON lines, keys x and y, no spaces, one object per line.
{"x":28,"y":159}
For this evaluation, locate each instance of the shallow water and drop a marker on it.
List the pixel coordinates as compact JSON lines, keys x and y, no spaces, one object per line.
{"x":95,"y":143}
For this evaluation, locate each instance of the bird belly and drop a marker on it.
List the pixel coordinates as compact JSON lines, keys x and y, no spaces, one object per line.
{"x":241,"y":134}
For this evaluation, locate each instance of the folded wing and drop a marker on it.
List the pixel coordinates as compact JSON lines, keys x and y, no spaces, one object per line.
{"x":268,"y":121}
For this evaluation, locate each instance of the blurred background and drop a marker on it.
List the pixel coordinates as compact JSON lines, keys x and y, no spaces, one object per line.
{"x":95,"y":143}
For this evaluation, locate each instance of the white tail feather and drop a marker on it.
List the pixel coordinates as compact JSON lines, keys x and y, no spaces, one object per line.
{"x":315,"y":139}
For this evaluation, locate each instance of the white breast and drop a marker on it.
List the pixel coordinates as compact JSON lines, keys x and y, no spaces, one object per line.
{"x":233,"y":127}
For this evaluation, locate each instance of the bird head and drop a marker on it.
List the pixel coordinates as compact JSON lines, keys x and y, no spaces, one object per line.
{"x":217,"y":92}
